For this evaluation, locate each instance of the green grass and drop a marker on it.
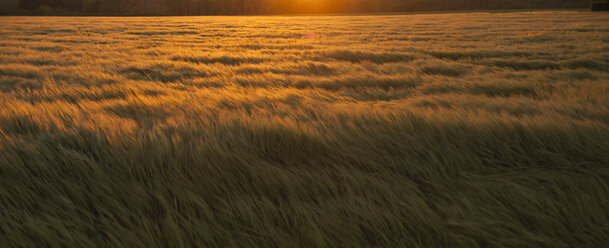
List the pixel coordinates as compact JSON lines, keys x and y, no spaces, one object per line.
{"x":451,"y":130}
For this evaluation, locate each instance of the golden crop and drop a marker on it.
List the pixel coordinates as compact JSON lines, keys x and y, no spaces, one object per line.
{"x":431,"y":130}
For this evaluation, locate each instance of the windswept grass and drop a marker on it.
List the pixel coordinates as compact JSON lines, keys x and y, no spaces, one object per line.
{"x":451,"y":130}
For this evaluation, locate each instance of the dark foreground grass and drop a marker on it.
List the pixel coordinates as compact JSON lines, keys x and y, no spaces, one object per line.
{"x":464,"y":133}
{"x":364,"y":180}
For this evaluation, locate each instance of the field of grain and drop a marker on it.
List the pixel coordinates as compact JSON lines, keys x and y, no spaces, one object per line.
{"x":429,"y":130}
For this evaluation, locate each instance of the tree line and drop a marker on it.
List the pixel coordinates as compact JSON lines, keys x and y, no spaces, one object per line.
{"x":252,"y":7}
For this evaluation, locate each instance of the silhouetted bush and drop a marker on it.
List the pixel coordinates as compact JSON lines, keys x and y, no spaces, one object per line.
{"x":599,"y":6}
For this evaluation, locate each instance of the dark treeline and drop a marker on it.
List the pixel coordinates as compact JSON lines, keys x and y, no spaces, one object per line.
{"x":247,"y":7}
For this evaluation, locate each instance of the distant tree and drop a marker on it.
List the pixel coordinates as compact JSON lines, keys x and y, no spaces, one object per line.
{"x":90,"y":6}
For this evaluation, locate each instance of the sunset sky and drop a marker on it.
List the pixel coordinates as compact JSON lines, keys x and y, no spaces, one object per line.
{"x":247,"y":7}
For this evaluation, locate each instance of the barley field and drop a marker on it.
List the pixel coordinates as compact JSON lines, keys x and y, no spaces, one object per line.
{"x":408,"y":130}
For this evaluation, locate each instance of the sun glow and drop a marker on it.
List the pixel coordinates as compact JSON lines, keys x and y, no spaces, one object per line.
{"x":312,"y":6}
